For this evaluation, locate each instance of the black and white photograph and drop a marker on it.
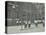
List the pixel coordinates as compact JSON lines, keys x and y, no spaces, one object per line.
{"x":24,"y":17}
